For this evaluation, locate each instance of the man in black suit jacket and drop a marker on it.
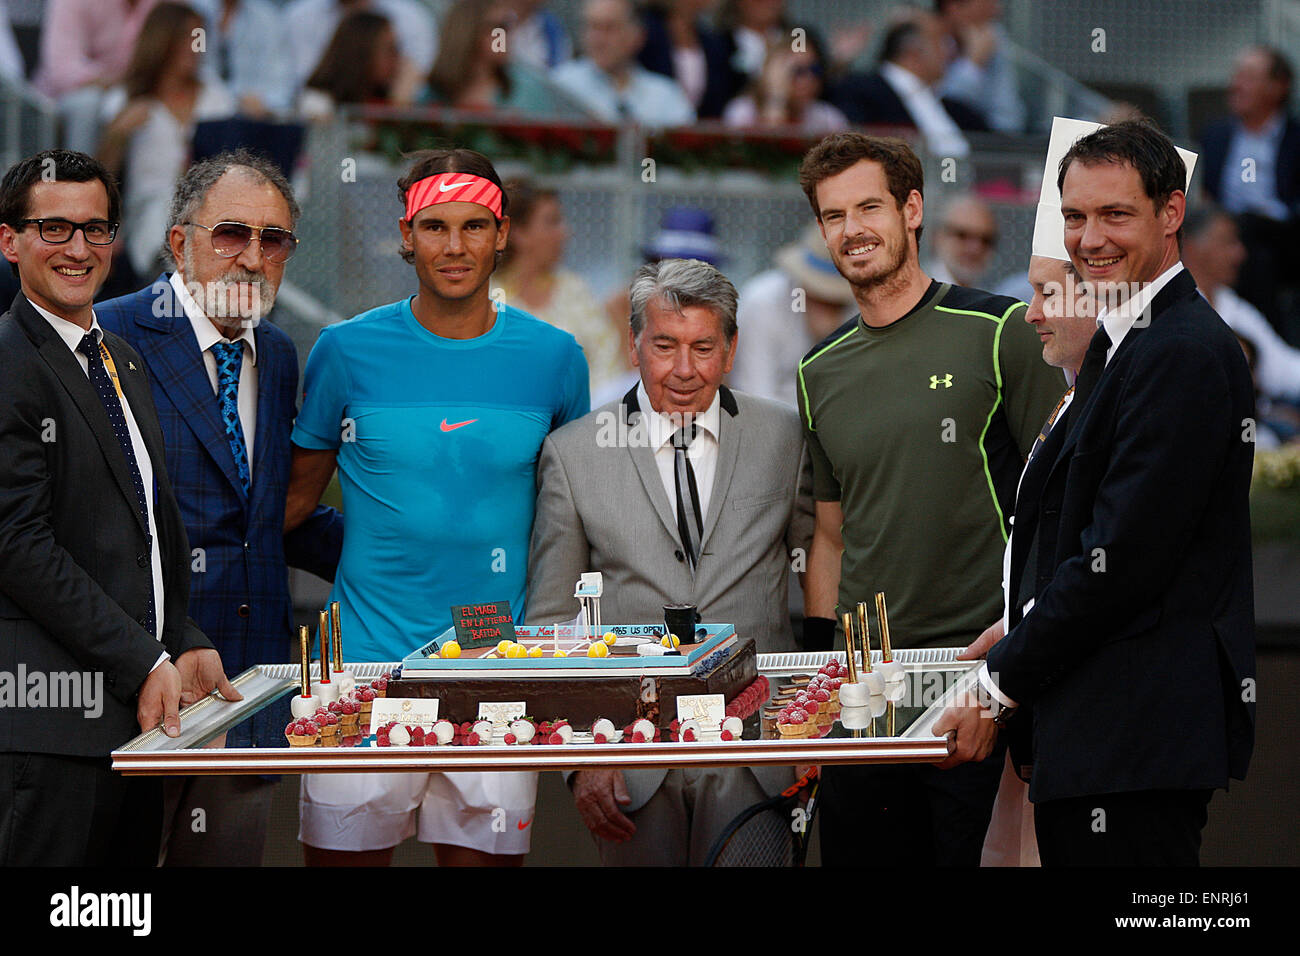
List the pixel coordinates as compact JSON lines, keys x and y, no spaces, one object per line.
{"x":1134,"y":533}
{"x":94,"y":561}
{"x":901,"y":92}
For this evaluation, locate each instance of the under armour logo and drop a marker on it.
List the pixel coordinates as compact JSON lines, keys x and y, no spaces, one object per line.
{"x":130,"y":365}
{"x":936,"y":381}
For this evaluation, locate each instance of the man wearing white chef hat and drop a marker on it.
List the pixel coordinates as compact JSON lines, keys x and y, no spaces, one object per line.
{"x":1133,"y":538}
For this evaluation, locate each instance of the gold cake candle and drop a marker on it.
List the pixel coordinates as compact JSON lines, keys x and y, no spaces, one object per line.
{"x":890,"y":669}
{"x":324,"y":688}
{"x":343,"y":678}
{"x":874,"y":682}
{"x":336,"y":636}
{"x":853,"y":693}
{"x":850,"y":649}
{"x":304,"y":704}
{"x":886,"y":652}
{"x":864,"y":627}
{"x":304,"y":641}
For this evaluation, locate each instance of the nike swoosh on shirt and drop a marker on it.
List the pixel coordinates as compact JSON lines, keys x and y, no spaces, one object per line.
{"x":452,"y":428}
{"x":448,"y":187}
{"x":524,"y":824}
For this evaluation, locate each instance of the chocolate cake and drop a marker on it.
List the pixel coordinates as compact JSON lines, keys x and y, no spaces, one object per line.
{"x":581,"y":700}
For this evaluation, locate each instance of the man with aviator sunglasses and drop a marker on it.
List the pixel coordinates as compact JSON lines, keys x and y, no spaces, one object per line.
{"x":225,"y":385}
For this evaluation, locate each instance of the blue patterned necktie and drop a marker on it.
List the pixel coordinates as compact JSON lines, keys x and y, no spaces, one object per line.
{"x":230,"y":359}
{"x":103,"y":384}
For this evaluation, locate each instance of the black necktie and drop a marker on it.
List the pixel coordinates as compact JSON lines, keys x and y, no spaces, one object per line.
{"x":104,"y":387}
{"x":1094,"y":363}
{"x":690,"y":525}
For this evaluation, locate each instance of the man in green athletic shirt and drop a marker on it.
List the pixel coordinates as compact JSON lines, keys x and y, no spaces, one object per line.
{"x":919,"y":414}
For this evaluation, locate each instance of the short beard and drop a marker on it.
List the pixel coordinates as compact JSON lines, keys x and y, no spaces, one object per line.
{"x":894,"y":280}
{"x":214,"y":297}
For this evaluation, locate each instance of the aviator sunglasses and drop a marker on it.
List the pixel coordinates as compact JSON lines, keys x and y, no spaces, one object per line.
{"x":229,"y":239}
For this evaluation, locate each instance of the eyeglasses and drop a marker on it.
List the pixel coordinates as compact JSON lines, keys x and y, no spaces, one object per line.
{"x":229,"y":239}
{"x":98,"y":232}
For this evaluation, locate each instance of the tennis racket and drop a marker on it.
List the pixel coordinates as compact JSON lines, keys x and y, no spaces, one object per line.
{"x":775,"y":832}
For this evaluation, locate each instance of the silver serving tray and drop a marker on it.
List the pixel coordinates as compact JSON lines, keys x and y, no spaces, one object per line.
{"x":155,"y":753}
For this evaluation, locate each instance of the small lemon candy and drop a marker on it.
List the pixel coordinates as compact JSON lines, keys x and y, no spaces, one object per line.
{"x":670,"y":640}
{"x":450,"y":649}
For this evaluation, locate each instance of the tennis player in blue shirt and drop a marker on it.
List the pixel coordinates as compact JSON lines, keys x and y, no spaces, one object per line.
{"x":433,"y":409}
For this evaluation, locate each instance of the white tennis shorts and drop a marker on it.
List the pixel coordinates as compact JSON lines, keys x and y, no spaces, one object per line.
{"x":491,"y":812}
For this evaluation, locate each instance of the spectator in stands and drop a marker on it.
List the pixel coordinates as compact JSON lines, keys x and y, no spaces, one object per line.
{"x":531,"y":278}
{"x":473,"y":70}
{"x":153,"y":113}
{"x":902,"y":90}
{"x":12,"y":67}
{"x":538,"y":37}
{"x":1277,"y":421}
{"x":681,"y":45}
{"x":85,"y":47}
{"x":789,"y":93}
{"x":785,"y":311}
{"x":965,"y":242}
{"x":754,"y":25}
{"x":609,"y":82}
{"x":360,"y":65}
{"x":980,"y":73}
{"x":1252,"y":169}
{"x":312,"y":24}
{"x":1213,"y":254}
{"x":245,"y":51}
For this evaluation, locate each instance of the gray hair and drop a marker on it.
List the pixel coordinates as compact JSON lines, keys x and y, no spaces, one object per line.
{"x":197,"y":181}
{"x":682,"y":282}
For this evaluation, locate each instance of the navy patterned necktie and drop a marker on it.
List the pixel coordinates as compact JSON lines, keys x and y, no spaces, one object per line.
{"x":230,"y":360}
{"x":690,"y":525}
{"x":104,"y":387}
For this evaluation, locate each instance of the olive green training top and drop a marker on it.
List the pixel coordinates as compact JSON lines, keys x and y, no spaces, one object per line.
{"x":920,"y":430}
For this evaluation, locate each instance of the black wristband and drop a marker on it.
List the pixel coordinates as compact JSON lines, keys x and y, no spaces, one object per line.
{"x":818,"y":634}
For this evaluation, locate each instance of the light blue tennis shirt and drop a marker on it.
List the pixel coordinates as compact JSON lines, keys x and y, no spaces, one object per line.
{"x":437,"y":443}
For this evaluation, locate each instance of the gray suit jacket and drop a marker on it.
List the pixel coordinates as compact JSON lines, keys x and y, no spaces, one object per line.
{"x":601,"y":506}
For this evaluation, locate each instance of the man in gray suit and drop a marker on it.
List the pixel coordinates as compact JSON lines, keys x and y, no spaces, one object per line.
{"x":683,"y":492}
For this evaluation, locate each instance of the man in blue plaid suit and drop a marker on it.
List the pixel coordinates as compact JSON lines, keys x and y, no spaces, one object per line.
{"x":225,"y":385}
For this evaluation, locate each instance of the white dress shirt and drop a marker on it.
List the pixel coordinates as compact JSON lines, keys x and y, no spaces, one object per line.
{"x":1119,"y":320}
{"x":72,"y":334}
{"x":703,"y":453}
{"x":208,"y":336}
{"x":942,"y":134}
{"x":1277,"y":365}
